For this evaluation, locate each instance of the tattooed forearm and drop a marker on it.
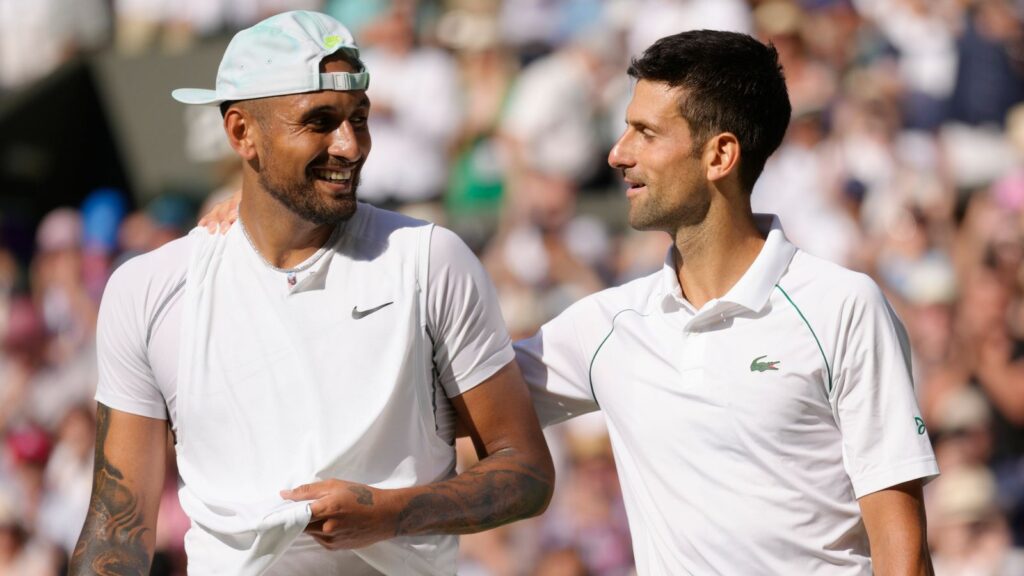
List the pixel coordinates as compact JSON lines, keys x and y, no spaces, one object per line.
{"x":496,"y":491}
{"x":112,"y":538}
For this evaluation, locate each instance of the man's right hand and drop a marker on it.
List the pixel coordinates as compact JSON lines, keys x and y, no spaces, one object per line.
{"x":222,"y":215}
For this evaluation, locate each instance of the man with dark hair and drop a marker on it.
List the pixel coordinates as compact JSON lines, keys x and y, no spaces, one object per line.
{"x":759,"y":400}
{"x":310,"y":363}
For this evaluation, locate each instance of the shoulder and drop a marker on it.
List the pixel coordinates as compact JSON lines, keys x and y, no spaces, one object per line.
{"x":374,"y":217}
{"x":447,"y":244}
{"x":840,"y":304}
{"x":824,"y":284}
{"x":372,"y":224}
{"x":165,"y":265}
{"x":143,"y":283}
{"x":600,"y":309}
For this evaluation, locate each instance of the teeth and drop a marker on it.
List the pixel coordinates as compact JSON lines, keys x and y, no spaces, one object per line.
{"x":334,"y":175}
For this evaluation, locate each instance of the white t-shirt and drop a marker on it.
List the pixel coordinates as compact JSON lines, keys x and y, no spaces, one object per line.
{"x":745,"y":431}
{"x":347,"y":374}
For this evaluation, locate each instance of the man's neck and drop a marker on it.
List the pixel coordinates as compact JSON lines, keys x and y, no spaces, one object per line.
{"x":712,"y":256}
{"x":281,"y":237}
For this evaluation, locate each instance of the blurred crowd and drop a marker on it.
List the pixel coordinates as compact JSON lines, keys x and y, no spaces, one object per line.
{"x":904,"y":159}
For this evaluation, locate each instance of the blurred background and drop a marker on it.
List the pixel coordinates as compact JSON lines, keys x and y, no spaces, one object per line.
{"x":904,"y":159}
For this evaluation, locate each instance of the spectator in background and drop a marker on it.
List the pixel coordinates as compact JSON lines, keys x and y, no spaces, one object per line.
{"x":487,"y":70}
{"x":20,"y":554}
{"x":654,"y":19}
{"x":589,"y":519}
{"x":66,"y":479}
{"x":38,"y":36}
{"x":102,"y":212}
{"x":416,"y":111}
{"x":35,"y":387}
{"x":550,"y":123}
{"x":989,"y":77}
{"x":922,"y":35}
{"x":58,"y":286}
{"x":968,"y":533}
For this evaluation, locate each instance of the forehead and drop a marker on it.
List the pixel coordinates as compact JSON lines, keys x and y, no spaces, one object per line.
{"x":654,"y":101}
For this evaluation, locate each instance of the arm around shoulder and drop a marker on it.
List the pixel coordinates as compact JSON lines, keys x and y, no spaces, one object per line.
{"x":119,"y":532}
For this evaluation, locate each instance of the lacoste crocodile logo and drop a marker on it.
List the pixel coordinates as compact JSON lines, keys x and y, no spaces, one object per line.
{"x":758,"y":366}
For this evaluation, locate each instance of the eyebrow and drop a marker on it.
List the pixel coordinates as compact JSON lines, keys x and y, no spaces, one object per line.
{"x":364,"y":102}
{"x":640,"y":125}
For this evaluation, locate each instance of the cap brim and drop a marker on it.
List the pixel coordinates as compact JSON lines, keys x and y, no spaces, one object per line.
{"x":196,"y":96}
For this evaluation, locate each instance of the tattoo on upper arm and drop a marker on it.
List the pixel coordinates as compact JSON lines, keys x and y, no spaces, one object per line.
{"x":112,"y":538}
{"x":478,"y":500}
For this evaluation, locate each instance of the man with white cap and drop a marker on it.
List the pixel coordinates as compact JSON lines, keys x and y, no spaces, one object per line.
{"x":310,"y":363}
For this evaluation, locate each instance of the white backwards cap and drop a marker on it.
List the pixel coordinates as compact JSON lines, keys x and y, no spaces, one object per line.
{"x":281,"y":55}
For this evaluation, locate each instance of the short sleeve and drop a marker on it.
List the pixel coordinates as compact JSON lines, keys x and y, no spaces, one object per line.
{"x":126,"y":380}
{"x":885,"y":441}
{"x":556,"y":369}
{"x":471,"y":342}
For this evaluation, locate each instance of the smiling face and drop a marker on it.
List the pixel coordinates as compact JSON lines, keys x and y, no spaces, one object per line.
{"x":311,"y":147}
{"x":660,"y":161}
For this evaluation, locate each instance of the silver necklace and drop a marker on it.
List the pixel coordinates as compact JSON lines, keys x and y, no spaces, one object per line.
{"x":290,"y":273}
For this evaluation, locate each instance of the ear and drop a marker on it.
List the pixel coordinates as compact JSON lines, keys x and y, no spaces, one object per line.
{"x":242,"y":130}
{"x":723,"y":156}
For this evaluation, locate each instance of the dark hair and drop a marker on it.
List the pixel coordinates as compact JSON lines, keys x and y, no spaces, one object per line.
{"x":732,"y":83}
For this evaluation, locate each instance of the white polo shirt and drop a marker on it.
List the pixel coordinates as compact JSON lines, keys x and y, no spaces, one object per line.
{"x":744,"y":431}
{"x":346,"y":374}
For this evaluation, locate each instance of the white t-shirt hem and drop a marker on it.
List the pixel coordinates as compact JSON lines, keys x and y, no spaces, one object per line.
{"x":156,"y":411}
{"x":485,"y":370}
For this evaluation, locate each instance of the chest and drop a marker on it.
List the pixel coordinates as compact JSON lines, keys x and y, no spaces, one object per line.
{"x":738,"y":379}
{"x":349,"y":338}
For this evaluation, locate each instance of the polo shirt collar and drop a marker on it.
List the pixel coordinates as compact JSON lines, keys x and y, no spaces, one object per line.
{"x":754,"y":288}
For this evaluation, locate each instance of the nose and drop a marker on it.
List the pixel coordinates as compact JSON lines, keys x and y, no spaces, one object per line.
{"x":345,"y":144}
{"x":620,"y":157}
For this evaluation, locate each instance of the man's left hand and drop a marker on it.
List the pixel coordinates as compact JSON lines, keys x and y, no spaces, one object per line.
{"x":345,"y":515}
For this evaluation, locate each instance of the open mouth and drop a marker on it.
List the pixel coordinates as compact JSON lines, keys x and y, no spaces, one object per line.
{"x":333,"y":176}
{"x":634,"y":187}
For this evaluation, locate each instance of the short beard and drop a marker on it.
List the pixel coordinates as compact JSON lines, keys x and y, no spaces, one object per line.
{"x":654,"y":215}
{"x":306,"y":204}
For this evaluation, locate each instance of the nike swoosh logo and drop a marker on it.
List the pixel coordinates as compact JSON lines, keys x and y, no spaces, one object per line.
{"x":357,"y":313}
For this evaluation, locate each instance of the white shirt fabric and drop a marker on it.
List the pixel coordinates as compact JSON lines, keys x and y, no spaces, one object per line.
{"x":269,"y":386}
{"x":745,"y":431}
